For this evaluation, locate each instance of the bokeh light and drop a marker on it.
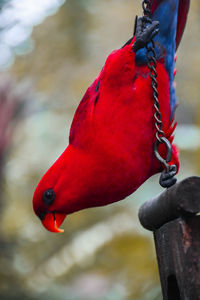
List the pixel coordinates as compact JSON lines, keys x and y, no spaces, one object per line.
{"x":50,"y":52}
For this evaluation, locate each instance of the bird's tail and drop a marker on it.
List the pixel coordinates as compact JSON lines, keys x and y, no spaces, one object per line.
{"x":172,"y":16}
{"x":165,"y":10}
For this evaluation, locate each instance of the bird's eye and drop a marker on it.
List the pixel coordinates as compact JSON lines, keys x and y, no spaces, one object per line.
{"x":48,"y":197}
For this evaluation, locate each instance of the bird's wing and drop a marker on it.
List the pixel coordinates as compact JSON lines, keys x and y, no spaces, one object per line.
{"x":83,"y":116}
{"x":172,"y":25}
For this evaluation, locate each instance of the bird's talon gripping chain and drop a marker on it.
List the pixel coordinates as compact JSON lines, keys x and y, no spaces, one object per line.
{"x":144,"y":34}
{"x":167,"y":178}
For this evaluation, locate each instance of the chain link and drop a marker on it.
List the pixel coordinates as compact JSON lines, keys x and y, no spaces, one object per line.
{"x":146,"y":5}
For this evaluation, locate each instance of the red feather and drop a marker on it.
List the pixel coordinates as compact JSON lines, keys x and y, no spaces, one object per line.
{"x":110,"y":152}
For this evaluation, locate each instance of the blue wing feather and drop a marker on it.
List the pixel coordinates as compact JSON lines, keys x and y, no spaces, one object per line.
{"x":167,"y":14}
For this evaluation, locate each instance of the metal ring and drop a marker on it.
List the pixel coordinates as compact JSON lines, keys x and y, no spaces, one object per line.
{"x":169,"y":152}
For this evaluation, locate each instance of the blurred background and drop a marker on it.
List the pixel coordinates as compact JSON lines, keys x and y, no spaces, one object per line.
{"x":50,"y":51}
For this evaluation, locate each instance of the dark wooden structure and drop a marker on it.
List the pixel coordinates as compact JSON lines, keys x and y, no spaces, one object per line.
{"x":174,"y":217}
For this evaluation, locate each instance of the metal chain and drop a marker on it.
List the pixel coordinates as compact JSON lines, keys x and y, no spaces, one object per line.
{"x":146,"y":5}
{"x":167,"y":177}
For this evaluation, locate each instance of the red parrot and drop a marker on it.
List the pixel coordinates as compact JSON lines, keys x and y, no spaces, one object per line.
{"x":110,"y":151}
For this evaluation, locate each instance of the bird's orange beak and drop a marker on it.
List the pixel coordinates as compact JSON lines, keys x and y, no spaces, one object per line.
{"x":52,"y":221}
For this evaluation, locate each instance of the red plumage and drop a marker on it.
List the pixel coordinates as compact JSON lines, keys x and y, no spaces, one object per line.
{"x":110,"y":152}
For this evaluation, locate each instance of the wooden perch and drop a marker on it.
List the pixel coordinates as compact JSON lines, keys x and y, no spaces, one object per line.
{"x":182,"y":199}
{"x":174,"y":218}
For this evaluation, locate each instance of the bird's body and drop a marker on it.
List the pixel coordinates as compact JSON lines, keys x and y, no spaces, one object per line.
{"x":110,"y":152}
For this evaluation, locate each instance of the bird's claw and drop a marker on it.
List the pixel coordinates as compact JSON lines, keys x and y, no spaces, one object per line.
{"x":144,"y":35}
{"x":168,"y":179}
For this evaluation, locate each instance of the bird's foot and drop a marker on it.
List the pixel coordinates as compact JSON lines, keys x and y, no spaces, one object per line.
{"x":168,"y":179}
{"x":144,"y":34}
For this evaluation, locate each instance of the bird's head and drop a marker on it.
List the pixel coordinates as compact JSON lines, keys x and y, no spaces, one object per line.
{"x":44,"y":205}
{"x":61,"y":190}
{"x":47,"y":199}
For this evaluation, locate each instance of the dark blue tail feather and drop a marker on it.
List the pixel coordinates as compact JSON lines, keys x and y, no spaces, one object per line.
{"x":167,"y":14}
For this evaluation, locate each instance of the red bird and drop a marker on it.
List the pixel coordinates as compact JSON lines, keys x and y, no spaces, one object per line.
{"x":110,"y":151}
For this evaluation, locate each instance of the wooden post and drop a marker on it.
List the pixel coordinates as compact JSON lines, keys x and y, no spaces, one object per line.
{"x":174,"y":218}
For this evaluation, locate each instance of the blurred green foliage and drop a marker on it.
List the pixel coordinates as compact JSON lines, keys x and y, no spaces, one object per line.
{"x":104,"y":253}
